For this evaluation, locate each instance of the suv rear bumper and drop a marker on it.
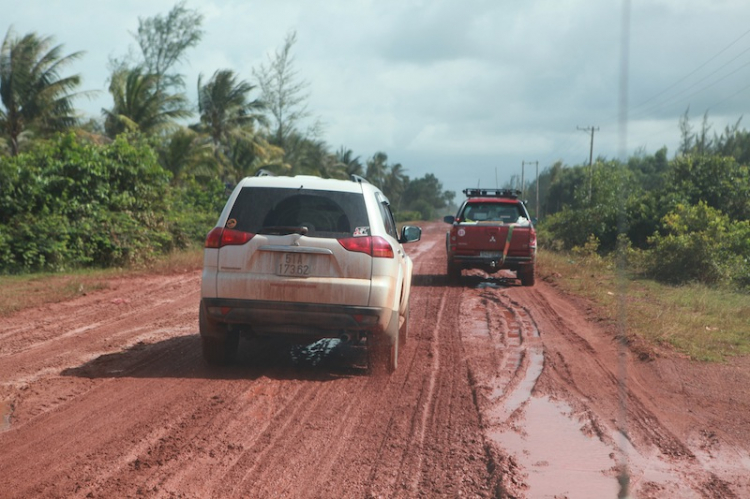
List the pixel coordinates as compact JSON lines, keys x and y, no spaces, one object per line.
{"x":313,"y":320}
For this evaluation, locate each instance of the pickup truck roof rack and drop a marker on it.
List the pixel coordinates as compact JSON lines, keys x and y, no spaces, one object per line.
{"x":492,"y":193}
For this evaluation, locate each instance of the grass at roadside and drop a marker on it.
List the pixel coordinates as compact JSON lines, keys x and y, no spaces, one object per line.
{"x":22,"y":291}
{"x":701,"y":322}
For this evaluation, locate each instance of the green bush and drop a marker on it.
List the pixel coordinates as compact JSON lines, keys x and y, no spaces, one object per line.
{"x":574,"y":227}
{"x":407,"y":216}
{"x":70,"y":204}
{"x":700,"y":244}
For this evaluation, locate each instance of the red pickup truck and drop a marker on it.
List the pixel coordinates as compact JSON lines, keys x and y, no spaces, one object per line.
{"x":491,"y":231}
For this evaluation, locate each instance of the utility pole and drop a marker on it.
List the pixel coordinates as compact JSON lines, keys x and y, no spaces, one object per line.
{"x":591,"y":129}
{"x":523,"y":163}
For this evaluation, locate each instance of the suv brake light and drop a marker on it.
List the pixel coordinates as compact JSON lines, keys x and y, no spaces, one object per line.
{"x":219,"y":237}
{"x":374,"y":246}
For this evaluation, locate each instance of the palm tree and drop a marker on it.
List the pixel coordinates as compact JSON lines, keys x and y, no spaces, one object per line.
{"x":186,"y":152}
{"x":35,"y":98}
{"x":349,"y":163}
{"x":377,"y":169}
{"x":228,"y":116}
{"x":140,"y":104}
{"x":395,"y":184}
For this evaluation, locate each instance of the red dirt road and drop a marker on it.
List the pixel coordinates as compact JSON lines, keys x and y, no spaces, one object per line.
{"x":502,"y":391}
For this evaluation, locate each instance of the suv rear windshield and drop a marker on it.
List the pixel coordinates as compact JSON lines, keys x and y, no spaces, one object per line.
{"x":265,"y":210}
{"x":493,"y":212}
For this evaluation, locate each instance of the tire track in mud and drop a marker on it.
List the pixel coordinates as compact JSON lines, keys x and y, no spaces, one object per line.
{"x":51,"y":337}
{"x":581,"y":369}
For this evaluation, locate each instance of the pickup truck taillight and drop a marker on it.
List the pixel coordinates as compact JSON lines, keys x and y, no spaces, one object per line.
{"x":219,"y":237}
{"x":374,"y":246}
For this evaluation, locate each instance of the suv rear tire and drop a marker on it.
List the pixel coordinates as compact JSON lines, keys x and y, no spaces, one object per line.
{"x":382,"y":349}
{"x":219,"y":345}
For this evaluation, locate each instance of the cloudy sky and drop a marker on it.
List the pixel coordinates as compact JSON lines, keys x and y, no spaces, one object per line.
{"x":464,"y":89}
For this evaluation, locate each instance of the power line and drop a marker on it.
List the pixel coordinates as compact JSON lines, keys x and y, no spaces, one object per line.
{"x":706,"y":87}
{"x":711,"y":59}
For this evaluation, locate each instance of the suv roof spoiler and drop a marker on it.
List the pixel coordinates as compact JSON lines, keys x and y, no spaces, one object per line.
{"x":492,"y":193}
{"x":358,"y":178}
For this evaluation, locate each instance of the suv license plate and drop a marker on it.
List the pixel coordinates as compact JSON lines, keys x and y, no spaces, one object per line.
{"x":294,"y":265}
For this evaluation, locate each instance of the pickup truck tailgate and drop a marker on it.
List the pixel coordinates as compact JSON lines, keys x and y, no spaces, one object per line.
{"x":507,"y":239}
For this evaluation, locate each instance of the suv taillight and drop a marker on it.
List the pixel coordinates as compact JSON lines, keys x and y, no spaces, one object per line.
{"x":220,"y":236}
{"x":374,"y":246}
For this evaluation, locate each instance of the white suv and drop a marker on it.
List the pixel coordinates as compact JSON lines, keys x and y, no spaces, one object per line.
{"x":306,"y":258}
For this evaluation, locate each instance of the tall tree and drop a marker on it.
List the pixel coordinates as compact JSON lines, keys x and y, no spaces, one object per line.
{"x":283,"y":93}
{"x":35,"y":97}
{"x":141,"y":105}
{"x":349,"y":163}
{"x":309,"y":156}
{"x":165,"y":39}
{"x":426,"y":196}
{"x":185,"y":153}
{"x":395,"y":183}
{"x":228,"y":116}
{"x":377,"y":169}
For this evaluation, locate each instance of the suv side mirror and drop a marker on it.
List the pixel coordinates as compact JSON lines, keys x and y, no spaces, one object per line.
{"x":410,"y":234}
{"x":449,"y":219}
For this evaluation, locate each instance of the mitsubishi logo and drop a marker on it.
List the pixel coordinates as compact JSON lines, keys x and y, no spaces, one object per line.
{"x":492,"y":239}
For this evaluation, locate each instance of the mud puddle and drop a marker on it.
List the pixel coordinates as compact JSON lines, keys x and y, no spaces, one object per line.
{"x":5,"y":412}
{"x":559,"y":459}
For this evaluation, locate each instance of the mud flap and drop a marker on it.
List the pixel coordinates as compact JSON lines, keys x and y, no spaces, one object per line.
{"x":382,"y":348}
{"x":218,"y":343}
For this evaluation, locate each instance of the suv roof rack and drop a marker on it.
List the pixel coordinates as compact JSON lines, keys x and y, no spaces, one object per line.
{"x":492,"y":193}
{"x":359,"y":178}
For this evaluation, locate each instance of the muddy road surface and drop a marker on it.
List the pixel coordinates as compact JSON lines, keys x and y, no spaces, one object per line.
{"x":501,"y":391}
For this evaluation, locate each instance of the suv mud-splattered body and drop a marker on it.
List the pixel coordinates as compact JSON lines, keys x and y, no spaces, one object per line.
{"x":306,"y":258}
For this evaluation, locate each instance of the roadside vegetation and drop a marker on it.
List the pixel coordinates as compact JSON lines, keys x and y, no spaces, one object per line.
{"x":682,"y":221}
{"x":679,"y":228}
{"x":700,"y":321}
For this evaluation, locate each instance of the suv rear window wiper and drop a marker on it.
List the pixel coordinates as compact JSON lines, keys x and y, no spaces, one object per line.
{"x":283,"y":230}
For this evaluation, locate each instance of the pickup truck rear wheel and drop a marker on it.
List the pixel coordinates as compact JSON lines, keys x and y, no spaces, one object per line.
{"x":218,"y":343}
{"x":527,"y":276}
{"x":454,"y":273}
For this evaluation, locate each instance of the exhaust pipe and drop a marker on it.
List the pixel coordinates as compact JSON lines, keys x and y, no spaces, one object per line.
{"x":345,"y":338}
